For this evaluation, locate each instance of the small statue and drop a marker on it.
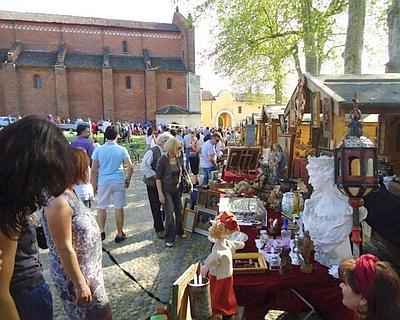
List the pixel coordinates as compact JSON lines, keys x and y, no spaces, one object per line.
{"x":219,"y":264}
{"x":306,"y":248}
{"x":264,"y":174}
{"x":286,"y":261}
{"x":274,"y":196}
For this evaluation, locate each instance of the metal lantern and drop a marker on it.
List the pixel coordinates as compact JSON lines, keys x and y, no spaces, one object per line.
{"x":356,"y":172}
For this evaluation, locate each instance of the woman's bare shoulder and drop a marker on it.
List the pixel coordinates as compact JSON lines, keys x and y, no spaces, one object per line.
{"x":56,"y":204}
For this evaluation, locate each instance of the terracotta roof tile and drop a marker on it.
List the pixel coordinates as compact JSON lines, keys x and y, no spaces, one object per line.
{"x":66,"y":19}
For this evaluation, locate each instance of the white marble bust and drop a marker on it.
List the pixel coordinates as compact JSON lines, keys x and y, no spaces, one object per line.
{"x":327,"y":215}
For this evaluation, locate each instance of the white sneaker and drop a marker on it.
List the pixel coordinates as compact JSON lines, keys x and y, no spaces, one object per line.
{"x":169,"y":244}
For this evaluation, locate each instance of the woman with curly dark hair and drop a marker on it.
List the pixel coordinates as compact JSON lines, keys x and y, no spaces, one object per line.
{"x":371,"y":288}
{"x":35,"y":159}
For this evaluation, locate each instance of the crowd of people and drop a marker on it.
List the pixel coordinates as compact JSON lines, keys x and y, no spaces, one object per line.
{"x":41,"y":170}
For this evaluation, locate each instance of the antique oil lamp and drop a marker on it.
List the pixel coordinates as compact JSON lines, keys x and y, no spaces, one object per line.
{"x":356,"y":172}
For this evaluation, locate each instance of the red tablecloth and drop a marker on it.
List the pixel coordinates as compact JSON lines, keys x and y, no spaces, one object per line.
{"x":259,"y":293}
{"x":235,"y":177}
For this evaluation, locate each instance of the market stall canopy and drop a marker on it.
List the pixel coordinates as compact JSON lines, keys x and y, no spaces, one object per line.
{"x":377,"y":93}
{"x":274,"y":110}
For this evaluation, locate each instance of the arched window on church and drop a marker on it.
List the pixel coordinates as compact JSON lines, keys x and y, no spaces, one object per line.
{"x":37,"y":83}
{"x":128,"y":82}
{"x":169,"y":83}
{"x":124,"y":46}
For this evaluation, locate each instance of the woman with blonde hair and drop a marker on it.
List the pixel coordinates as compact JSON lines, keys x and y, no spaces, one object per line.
{"x":371,"y":288}
{"x":168,"y":178}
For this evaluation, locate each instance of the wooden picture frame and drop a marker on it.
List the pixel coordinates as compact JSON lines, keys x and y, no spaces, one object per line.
{"x":234,"y":155}
{"x":189,"y":219}
{"x":203,"y":220}
{"x":188,"y":203}
{"x":327,"y":111}
{"x":242,"y":159}
{"x":286,"y":141}
{"x":201,"y":198}
{"x":256,"y":260}
{"x":212,"y":202}
{"x":180,"y":307}
{"x":316,"y":109}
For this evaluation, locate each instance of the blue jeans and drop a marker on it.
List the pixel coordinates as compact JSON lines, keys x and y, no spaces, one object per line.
{"x":35,"y":303}
{"x":173,"y":216}
{"x":207,"y":174}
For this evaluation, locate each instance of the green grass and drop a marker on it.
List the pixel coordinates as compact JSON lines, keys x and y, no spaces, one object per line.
{"x":137,"y":140}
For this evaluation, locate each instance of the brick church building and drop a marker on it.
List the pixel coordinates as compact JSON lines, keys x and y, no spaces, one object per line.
{"x":98,"y":68}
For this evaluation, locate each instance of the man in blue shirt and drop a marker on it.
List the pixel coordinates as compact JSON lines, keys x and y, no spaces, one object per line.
{"x":82,"y":140}
{"x":108,"y":179}
{"x":209,"y":156}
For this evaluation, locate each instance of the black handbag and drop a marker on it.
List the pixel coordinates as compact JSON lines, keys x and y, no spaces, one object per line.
{"x":186,"y":185}
{"x":41,"y":238}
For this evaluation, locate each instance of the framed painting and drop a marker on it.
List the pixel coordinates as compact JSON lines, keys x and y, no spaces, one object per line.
{"x":316,"y":109}
{"x":189,"y":218}
{"x":201,"y":198}
{"x":213,"y":200}
{"x":286,"y":141}
{"x":187,"y":204}
{"x":203,"y":220}
{"x":327,"y":112}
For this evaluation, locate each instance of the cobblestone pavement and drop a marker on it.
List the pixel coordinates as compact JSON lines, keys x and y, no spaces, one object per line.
{"x":144,"y":256}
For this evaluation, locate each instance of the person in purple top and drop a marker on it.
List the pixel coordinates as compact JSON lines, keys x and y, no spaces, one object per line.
{"x":82,"y":140}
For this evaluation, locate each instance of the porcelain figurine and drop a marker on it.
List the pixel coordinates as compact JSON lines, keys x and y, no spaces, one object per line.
{"x":219,"y":264}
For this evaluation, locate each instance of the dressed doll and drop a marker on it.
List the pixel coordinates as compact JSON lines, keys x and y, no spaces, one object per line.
{"x":219,"y":264}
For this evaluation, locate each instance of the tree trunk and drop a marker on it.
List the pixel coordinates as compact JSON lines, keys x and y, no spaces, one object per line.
{"x":310,"y":49}
{"x":296,"y":59}
{"x":355,"y":37}
{"x":278,"y":87}
{"x":394,"y":37}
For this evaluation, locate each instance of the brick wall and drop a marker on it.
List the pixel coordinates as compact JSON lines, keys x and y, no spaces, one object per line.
{"x":7,"y":37}
{"x":37,"y":40}
{"x":85,"y":93}
{"x":162,"y":47}
{"x":93,"y":93}
{"x":129,"y":103}
{"x":91,"y":40}
{"x":40,"y":101}
{"x":135,"y":46}
{"x":176,"y":95}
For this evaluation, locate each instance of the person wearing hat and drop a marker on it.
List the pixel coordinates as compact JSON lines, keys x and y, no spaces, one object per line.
{"x":219,"y":264}
{"x":371,"y":288}
{"x":82,"y":139}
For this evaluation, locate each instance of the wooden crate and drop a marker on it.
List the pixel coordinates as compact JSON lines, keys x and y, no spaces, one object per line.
{"x":258,"y":258}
